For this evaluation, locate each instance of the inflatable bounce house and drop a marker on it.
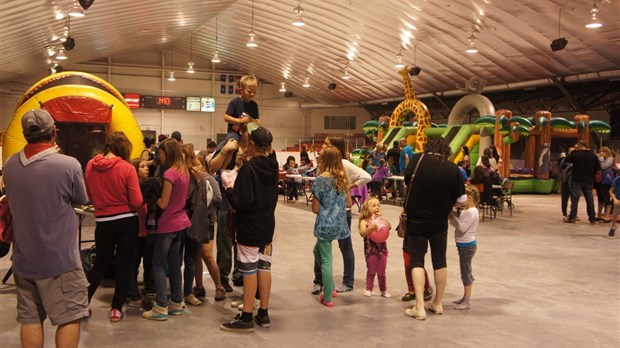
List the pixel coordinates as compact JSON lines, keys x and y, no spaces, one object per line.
{"x":499,"y":128}
{"x":86,"y":109}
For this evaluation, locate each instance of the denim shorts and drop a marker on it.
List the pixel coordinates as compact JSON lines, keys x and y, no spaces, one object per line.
{"x":465,"y":256}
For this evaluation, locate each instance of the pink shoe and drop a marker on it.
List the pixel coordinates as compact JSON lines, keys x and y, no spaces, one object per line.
{"x":324,"y":303}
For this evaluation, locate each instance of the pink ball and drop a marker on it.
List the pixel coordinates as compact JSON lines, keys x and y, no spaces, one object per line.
{"x":382,"y":232}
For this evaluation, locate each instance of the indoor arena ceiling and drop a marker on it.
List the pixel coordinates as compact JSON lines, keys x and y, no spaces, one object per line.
{"x":512,"y":37}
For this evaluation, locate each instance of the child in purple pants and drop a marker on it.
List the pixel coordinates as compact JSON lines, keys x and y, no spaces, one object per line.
{"x":375,"y":230}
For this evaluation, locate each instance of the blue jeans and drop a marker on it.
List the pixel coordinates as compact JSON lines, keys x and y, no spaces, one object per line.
{"x":576,"y":189}
{"x":348,"y":260}
{"x":167,"y":250}
{"x":190,"y":248}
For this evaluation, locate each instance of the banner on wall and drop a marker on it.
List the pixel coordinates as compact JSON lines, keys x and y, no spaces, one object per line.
{"x":133,"y":100}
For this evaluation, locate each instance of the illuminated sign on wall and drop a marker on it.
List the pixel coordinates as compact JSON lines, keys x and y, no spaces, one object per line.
{"x":133,"y":100}
{"x":207,"y":104}
{"x":193,"y":104}
{"x":162,"y":102}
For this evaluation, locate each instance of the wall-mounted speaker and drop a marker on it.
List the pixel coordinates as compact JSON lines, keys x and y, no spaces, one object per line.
{"x":288,"y":94}
{"x":332,"y":86}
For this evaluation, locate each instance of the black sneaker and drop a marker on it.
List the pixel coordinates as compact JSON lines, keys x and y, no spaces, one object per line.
{"x":428,"y":294}
{"x":570,"y":221}
{"x":408,"y":297}
{"x":262,"y":321}
{"x":612,"y":231}
{"x":200,"y":292}
{"x":227,"y":286}
{"x":237,"y":325}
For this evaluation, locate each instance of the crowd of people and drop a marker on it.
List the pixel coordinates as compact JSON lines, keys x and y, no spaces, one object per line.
{"x":166,"y":209}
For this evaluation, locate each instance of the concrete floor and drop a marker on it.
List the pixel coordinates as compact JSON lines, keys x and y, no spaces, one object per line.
{"x":539,"y":283}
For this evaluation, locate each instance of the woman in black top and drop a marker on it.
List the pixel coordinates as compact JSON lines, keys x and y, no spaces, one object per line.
{"x":437,"y":187}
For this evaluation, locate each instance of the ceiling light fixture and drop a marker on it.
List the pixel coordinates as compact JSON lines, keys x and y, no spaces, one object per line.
{"x":416,"y":70}
{"x":399,"y":60}
{"x":594,"y":21}
{"x":190,"y":69}
{"x":282,"y":87}
{"x":345,"y":74}
{"x":216,"y":58}
{"x":252,"y":42}
{"x":171,"y":74}
{"x":306,"y":83}
{"x":299,"y":21}
{"x":472,"y":43}
{"x":61,"y":54}
{"x":76,"y":10}
{"x":559,"y":43}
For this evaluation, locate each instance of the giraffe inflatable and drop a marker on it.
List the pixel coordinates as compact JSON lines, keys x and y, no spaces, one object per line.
{"x":413,"y":105}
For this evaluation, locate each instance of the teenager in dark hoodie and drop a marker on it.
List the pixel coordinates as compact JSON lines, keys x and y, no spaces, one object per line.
{"x":112,"y":185}
{"x":254,"y":198}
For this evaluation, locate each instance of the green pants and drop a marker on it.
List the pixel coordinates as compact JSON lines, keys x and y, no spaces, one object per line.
{"x":323,"y":257}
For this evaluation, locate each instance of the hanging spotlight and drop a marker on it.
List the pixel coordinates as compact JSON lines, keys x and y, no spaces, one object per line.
{"x":306,"y":83}
{"x":299,"y":21}
{"x":171,"y":74}
{"x":252,"y":41}
{"x":216,"y":58}
{"x":345,"y":75}
{"x":559,"y":43}
{"x":51,"y":51}
{"x":59,"y":15}
{"x":190,"y":64}
{"x":76,"y":10}
{"x":282,"y":87}
{"x":594,"y":21}
{"x":472,"y":44}
{"x":399,"y":60}
{"x":61,"y":54}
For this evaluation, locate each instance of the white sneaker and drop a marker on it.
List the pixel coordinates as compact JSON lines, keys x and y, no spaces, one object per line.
{"x":192,"y":300}
{"x":256,"y":305}
{"x":236,"y":303}
{"x":385,"y":294}
{"x":367,"y":293}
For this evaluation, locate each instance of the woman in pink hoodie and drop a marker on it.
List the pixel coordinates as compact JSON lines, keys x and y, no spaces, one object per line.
{"x":112,"y":185}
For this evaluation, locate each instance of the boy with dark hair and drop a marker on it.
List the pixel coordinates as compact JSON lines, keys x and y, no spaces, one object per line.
{"x":254,"y":198}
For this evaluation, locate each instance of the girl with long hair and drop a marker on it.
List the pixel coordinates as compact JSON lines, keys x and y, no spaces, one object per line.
{"x":331,"y":197}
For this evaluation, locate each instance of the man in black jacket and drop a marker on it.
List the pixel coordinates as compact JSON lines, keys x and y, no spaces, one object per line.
{"x":585,"y":164}
{"x":254,"y":198}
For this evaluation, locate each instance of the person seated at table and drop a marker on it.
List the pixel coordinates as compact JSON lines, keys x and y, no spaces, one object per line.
{"x":380,"y":174}
{"x":304,"y":166}
{"x":290,"y":167}
{"x":481,"y":176}
{"x":462,"y":168}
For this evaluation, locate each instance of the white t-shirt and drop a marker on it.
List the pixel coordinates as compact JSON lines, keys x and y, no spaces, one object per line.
{"x":466,"y":225}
